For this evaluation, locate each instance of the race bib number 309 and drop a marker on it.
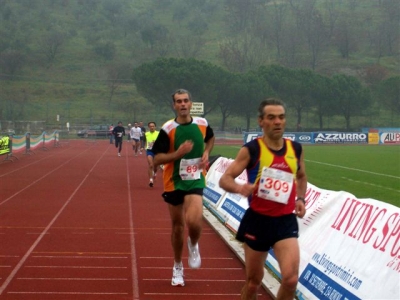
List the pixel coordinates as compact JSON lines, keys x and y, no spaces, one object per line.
{"x":275,"y":185}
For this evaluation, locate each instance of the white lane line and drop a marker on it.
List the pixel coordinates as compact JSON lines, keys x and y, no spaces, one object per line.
{"x":170,"y":257}
{"x":372,"y":184}
{"x":37,"y":241}
{"x":218,"y":268}
{"x":193,"y":294}
{"x":37,"y":180}
{"x":67,"y":279}
{"x":135,"y":276}
{"x":75,"y":267}
{"x":64,"y":293}
{"x":91,"y":257}
{"x":32,"y":163}
{"x":197,"y":280}
{"x":353,"y":169}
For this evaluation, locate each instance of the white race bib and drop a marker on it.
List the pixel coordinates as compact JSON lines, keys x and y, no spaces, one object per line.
{"x":150,"y":145}
{"x":275,"y":185}
{"x":189,"y":169}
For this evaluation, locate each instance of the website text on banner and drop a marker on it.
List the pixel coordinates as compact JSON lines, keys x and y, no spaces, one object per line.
{"x":350,"y":248}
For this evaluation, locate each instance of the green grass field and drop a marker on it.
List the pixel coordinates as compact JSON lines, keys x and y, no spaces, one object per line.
{"x":366,"y":171}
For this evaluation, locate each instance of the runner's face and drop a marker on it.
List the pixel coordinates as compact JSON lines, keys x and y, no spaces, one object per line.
{"x":182,"y":104}
{"x":152,"y":127}
{"x":274,"y":121}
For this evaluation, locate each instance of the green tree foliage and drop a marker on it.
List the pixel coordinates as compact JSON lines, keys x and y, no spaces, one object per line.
{"x":322,"y":98}
{"x":157,"y":80}
{"x":350,"y":97}
{"x":327,"y":36}
{"x":389,"y":92}
{"x":249,"y":90}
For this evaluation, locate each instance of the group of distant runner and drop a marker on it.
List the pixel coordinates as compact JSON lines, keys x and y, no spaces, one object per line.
{"x":142,"y":141}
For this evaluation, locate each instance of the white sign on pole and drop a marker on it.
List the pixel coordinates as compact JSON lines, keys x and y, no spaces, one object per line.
{"x":197,"y":108}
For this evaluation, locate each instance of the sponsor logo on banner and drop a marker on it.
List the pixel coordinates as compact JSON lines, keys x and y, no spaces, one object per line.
{"x":305,"y":138}
{"x":341,"y":137}
{"x":251,"y":136}
{"x":289,"y":136}
{"x":390,"y":137}
{"x":373,"y":138}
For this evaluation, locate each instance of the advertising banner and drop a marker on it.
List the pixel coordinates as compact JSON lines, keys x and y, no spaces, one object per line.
{"x":340,"y":138}
{"x":213,"y":194}
{"x":349,"y":247}
{"x":373,"y":138}
{"x":301,"y":137}
{"x":390,"y":138}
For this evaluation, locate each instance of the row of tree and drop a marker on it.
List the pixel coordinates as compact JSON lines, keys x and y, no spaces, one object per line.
{"x":245,"y":33}
{"x":240,"y":93}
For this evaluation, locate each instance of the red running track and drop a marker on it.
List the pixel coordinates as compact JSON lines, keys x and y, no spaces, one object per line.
{"x":79,"y":222}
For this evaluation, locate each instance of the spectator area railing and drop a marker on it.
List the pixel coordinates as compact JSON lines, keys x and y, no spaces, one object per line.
{"x":27,"y":144}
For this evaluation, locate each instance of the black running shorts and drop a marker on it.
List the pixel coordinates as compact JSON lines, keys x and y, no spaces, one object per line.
{"x":261,"y":232}
{"x":177,"y":197}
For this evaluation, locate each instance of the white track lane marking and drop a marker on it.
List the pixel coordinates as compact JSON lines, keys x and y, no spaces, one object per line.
{"x":37,"y":241}
{"x":74,"y":267}
{"x":371,"y":184}
{"x":44,"y":176}
{"x":171,"y":257}
{"x":135,"y":280}
{"x":352,"y":169}
{"x":32,"y":163}
{"x":91,"y":257}
{"x":190,"y":294}
{"x":198,"y":280}
{"x":168,"y":268}
{"x":72,"y":279}
{"x":65,"y":293}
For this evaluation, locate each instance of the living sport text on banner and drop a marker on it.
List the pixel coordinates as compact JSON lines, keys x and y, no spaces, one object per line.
{"x":350,"y":248}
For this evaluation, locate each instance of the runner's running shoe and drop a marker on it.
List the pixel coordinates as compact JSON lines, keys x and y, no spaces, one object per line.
{"x":194,"y":259}
{"x":177,"y":276}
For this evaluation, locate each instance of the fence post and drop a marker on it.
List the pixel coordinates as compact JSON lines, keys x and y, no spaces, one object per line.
{"x":44,"y":142}
{"x":28,"y":150}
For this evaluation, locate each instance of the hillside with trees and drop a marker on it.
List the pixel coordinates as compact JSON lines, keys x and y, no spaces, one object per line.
{"x":335,"y":62}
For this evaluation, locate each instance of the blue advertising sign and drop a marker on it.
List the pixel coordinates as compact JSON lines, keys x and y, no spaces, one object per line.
{"x":301,"y":137}
{"x":340,"y":138}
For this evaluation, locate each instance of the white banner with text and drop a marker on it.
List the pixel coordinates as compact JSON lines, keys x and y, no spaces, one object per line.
{"x":349,"y":247}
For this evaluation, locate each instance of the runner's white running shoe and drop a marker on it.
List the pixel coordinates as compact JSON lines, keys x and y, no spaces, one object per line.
{"x":194,"y":259}
{"x":177,"y":276}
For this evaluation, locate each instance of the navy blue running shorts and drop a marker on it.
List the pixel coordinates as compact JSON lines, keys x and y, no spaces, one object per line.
{"x":149,"y":153}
